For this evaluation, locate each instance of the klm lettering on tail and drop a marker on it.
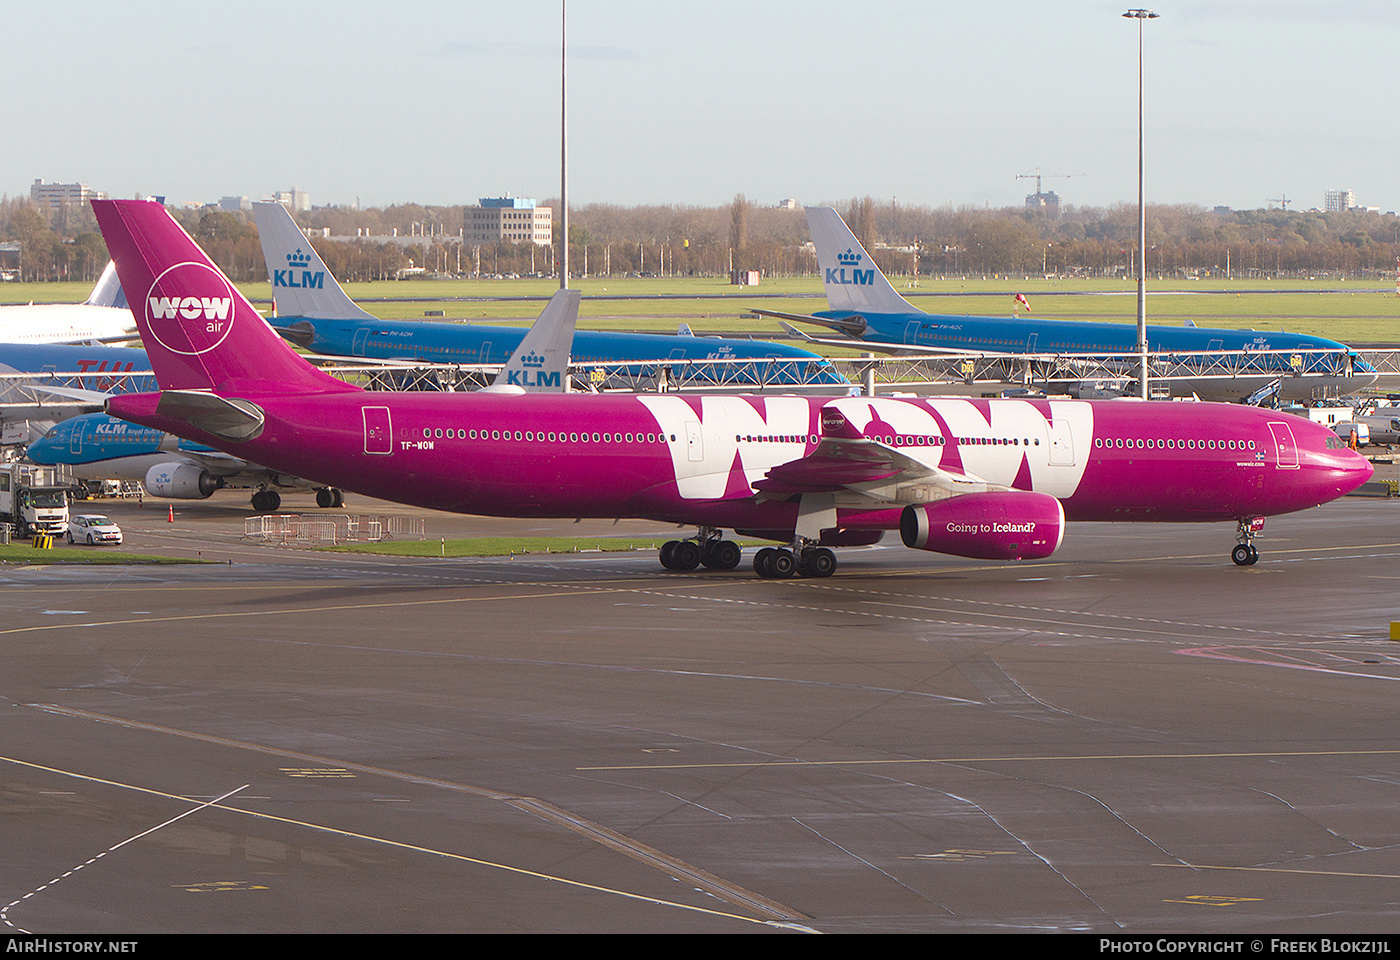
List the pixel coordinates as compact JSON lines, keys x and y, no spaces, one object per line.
{"x":190,"y":308}
{"x":298,"y":262}
{"x":309,"y":279}
{"x":523,"y":378}
{"x":850,"y":260}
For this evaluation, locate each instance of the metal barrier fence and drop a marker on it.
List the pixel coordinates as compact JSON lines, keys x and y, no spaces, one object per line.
{"x":321,"y":528}
{"x":837,"y":375}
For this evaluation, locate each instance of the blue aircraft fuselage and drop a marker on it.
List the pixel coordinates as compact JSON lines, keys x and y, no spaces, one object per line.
{"x":469,"y":343}
{"x":1028,"y":335}
{"x":99,"y":438}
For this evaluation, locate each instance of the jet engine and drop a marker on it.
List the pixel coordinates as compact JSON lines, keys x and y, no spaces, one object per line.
{"x":1011,"y":525}
{"x":181,"y":481}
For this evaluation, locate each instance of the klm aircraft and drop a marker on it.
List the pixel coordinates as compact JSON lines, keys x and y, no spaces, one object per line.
{"x":99,"y":447}
{"x":315,"y":313}
{"x":31,"y":400}
{"x":867,"y":309}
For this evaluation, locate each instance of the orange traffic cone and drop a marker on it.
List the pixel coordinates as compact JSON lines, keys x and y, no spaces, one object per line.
{"x":171,"y":517}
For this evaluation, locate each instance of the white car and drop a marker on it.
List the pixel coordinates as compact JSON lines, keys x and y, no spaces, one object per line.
{"x":92,"y":528}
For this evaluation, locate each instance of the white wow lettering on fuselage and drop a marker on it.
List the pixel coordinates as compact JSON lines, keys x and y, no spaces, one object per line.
{"x":707,"y":443}
{"x":1055,"y":448}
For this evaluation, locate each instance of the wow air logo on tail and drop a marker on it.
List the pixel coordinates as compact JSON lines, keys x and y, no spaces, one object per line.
{"x":297,"y":276}
{"x":848,"y":271}
{"x":190,"y":309}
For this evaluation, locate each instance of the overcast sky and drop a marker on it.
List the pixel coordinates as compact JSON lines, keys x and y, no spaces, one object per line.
{"x":673,"y":102}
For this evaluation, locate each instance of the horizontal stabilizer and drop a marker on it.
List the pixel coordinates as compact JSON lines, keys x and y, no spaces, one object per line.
{"x":853,"y":326}
{"x":228,"y":418}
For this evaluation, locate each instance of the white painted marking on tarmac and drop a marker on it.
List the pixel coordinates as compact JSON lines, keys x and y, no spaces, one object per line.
{"x":5,"y":911}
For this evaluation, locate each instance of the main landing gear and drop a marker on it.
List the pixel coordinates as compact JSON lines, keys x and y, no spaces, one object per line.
{"x":266,"y":501}
{"x":329,"y":497}
{"x":1245,"y":553}
{"x":709,"y":549}
{"x":780,"y":563}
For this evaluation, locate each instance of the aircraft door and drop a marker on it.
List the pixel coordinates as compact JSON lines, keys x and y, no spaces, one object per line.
{"x":76,"y":443}
{"x":694,"y":444}
{"x":379,"y":434}
{"x":1285,"y":447}
{"x":361,"y":337}
{"x":1061,"y":444}
{"x":1031,"y":341}
{"x":485,"y":353}
{"x":911,"y":332}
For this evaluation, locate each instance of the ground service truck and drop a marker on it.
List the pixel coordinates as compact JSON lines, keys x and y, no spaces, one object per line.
{"x":32,"y":500}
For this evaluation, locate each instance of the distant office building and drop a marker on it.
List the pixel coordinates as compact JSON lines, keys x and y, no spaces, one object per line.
{"x":1047,"y":203}
{"x":294,"y":200}
{"x":57,"y":194}
{"x":1339,"y":200}
{"x":788,"y":204}
{"x":510,"y":220}
{"x":235,"y":204}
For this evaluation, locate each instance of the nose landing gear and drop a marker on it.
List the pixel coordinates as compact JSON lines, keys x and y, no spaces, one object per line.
{"x":1245,"y":553}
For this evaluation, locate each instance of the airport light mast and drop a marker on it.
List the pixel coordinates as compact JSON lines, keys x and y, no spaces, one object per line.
{"x":564,"y":143}
{"x":1140,"y":15}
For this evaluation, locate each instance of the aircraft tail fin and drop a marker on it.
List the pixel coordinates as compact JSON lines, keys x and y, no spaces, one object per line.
{"x":198,"y":330}
{"x":301,"y":284}
{"x":853,"y":281}
{"x":108,"y":292}
{"x":541,"y":363}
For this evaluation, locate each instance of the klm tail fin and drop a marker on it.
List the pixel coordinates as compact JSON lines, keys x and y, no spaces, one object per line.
{"x":541,"y":363}
{"x":199,"y":331}
{"x":108,"y":292}
{"x":301,"y":284}
{"x":853,"y":281}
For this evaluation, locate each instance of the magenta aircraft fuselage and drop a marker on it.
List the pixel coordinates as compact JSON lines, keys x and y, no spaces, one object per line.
{"x":997,"y":473}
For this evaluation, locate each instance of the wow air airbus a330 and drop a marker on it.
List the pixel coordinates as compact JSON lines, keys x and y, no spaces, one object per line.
{"x":867,"y":309}
{"x":975,"y":478}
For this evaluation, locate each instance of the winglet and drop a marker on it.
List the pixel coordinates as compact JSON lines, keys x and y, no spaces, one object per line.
{"x":541,"y":363}
{"x":301,"y":284}
{"x":853,"y":281}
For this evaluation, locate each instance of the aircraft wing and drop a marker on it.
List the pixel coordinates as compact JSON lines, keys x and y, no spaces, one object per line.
{"x":871,"y":346}
{"x":867,"y":472}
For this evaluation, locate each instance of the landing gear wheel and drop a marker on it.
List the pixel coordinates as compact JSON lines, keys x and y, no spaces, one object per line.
{"x":337,"y":497}
{"x":266,"y":501}
{"x":725,"y":556}
{"x":1244,"y":554}
{"x":782,"y":565}
{"x":325,"y":498}
{"x":685,"y":555}
{"x":820,"y":562}
{"x":763,"y":562}
{"x":667,"y":549}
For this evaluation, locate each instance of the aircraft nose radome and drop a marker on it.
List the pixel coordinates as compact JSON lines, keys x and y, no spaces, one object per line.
{"x":1356,"y":472}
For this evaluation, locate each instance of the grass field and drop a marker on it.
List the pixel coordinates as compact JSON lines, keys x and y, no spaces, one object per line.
{"x":1350,"y":311}
{"x":98,"y":556}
